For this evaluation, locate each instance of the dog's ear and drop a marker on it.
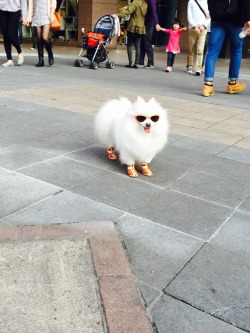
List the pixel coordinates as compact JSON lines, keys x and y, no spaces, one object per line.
{"x":152,"y":100}
{"x":140,"y":100}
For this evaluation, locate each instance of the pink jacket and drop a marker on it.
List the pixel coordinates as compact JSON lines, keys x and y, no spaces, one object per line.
{"x":173,"y":42}
{"x":51,"y":9}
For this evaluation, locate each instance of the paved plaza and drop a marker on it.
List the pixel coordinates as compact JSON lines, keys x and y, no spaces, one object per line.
{"x":86,"y":249}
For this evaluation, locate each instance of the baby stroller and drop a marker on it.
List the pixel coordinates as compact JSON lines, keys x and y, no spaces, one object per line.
{"x":95,"y":42}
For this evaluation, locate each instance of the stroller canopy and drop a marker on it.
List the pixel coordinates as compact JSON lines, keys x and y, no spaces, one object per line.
{"x":105,"y":25}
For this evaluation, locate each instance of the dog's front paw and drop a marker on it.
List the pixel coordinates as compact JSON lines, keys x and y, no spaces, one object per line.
{"x":146,"y":170}
{"x":111,"y":154}
{"x":131,"y":171}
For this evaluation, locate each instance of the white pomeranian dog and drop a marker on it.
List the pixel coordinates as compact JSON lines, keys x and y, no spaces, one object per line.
{"x":136,"y":131}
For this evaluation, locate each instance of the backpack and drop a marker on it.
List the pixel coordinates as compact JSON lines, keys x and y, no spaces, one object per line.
{"x":223,"y":9}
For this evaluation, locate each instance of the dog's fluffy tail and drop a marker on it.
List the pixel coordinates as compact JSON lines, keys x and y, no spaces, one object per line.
{"x":106,"y":117}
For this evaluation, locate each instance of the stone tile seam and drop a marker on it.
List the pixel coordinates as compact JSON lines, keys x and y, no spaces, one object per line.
{"x":205,"y":312}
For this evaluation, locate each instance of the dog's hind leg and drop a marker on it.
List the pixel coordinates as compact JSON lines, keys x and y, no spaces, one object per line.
{"x":111,"y":154}
{"x":146,"y":170}
{"x":131,"y":170}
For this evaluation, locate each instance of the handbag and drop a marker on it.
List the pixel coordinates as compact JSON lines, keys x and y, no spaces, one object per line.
{"x":56,"y":24}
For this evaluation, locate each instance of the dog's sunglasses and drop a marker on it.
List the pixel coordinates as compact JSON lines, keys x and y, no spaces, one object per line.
{"x":141,"y":119}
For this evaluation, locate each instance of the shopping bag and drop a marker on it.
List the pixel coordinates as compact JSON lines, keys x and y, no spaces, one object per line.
{"x":56,"y":24}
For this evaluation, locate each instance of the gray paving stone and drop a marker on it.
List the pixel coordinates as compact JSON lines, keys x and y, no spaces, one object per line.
{"x":49,"y":287}
{"x":216,"y":189}
{"x":156,"y":253}
{"x":94,"y":155}
{"x":236,"y":154}
{"x":19,"y":156}
{"x":17,"y":191}
{"x":172,"y":315}
{"x":58,"y":144}
{"x":87,"y":134}
{"x":148,"y":293}
{"x":229,"y":169}
{"x":185,"y":158}
{"x":245,"y":206}
{"x":64,"y":207}
{"x":235,"y":235}
{"x":200,"y":145}
{"x":182,"y":212}
{"x":3,"y":171}
{"x":16,"y":135}
{"x":216,"y":281}
{"x":61,"y":171}
{"x":118,"y":191}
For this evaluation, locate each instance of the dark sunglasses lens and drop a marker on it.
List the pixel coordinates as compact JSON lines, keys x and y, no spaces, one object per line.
{"x":140,"y":119}
{"x":155,"y":118}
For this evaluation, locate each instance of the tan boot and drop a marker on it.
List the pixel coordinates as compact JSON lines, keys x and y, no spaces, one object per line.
{"x":208,"y":90}
{"x":236,"y":87}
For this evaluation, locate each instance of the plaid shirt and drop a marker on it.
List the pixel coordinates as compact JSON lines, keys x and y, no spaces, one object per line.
{"x":137,"y":11}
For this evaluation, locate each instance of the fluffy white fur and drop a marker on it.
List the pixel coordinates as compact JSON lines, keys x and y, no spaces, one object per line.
{"x":116,"y":126}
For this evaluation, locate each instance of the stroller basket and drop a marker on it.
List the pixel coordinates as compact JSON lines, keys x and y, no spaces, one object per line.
{"x":95,"y":42}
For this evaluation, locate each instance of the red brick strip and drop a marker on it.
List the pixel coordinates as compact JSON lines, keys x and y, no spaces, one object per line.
{"x":122,"y":305}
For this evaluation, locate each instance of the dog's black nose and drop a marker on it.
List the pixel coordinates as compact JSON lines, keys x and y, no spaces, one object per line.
{"x":148,"y":125}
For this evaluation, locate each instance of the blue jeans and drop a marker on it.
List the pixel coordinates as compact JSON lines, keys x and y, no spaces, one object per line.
{"x":218,"y":31}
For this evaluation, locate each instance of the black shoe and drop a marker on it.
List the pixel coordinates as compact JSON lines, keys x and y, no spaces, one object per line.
{"x":129,"y":66}
{"x":135,"y":66}
{"x":40,"y":63}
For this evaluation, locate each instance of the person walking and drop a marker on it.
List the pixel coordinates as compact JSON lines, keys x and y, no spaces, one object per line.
{"x":227,"y":19}
{"x":41,"y":14}
{"x":135,"y":28}
{"x":198,"y":20}
{"x":173,"y":46}
{"x":151,"y":22}
{"x":10,"y":12}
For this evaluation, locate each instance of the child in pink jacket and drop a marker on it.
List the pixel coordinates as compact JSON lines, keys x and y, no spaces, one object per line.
{"x":173,"y":46}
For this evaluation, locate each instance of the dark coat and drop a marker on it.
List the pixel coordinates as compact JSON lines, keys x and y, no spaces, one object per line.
{"x":217,"y":11}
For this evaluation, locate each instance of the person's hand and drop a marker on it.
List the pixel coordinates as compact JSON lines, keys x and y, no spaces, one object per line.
{"x":184,"y":28}
{"x":247,"y":26}
{"x":26,"y":22}
{"x":114,"y":16}
{"x":197,"y":30}
{"x":157,"y":27}
{"x":202,"y":28}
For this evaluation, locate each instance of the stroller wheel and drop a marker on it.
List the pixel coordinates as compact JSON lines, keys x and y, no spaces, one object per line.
{"x":111,"y":65}
{"x":94,"y":65}
{"x":80,"y":63}
{"x":107,"y":64}
{"x":76,"y":63}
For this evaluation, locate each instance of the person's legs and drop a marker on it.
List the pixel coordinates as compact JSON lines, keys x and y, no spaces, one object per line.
{"x":137,"y":48}
{"x":216,"y":40}
{"x":9,"y":26}
{"x":142,"y":50}
{"x":129,"y":48}
{"x":172,"y":60}
{"x":192,"y":40}
{"x":232,"y":32}
{"x":40,"y":47}
{"x":148,"y":46}
{"x":206,"y":48}
{"x":47,"y":43}
{"x":199,"y":51}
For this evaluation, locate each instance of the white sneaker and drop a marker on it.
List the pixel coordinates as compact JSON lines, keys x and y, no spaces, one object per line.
{"x":149,"y":66}
{"x":190,"y":70}
{"x":20,"y":59}
{"x":8,"y":63}
{"x":141,"y":66}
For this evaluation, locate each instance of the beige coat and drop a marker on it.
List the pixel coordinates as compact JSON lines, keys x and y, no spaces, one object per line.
{"x":51,"y":9}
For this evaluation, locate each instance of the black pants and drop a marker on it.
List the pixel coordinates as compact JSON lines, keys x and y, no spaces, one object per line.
{"x":170,"y":59}
{"x":9,"y":25}
{"x":146,"y":47}
{"x":133,"y":38}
